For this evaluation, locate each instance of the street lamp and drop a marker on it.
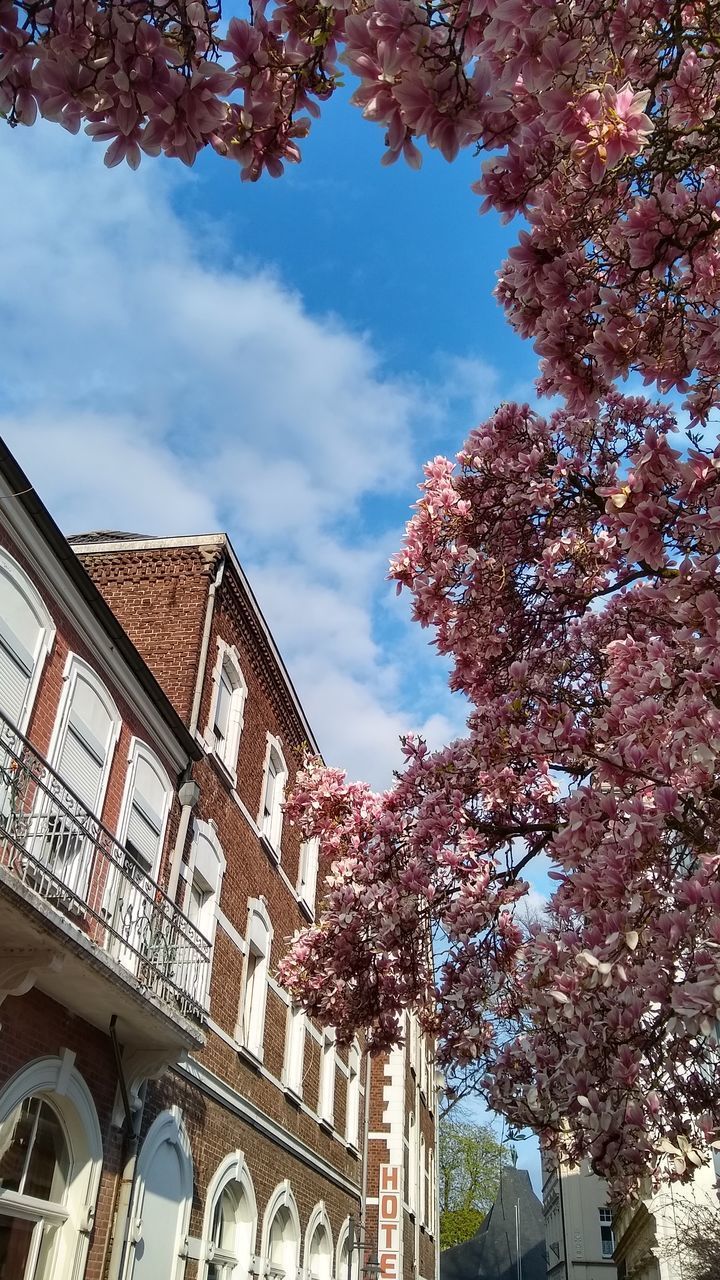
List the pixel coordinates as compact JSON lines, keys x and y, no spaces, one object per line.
{"x":372,"y":1269}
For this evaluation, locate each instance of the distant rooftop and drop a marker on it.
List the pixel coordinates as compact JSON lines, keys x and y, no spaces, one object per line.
{"x":109,"y":535}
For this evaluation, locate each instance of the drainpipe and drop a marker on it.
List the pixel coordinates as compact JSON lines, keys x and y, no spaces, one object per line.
{"x":197,"y":696}
{"x":189,"y":801}
{"x":133,"y":1121}
{"x":362,"y":1233}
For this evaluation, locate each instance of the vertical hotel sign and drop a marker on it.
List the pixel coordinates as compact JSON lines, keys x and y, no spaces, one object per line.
{"x":389,"y":1221}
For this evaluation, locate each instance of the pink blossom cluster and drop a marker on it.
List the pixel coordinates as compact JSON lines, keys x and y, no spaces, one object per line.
{"x":599,"y":123}
{"x":569,"y":570}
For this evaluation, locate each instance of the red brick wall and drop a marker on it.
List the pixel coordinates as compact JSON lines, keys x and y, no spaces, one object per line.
{"x":159,"y":597}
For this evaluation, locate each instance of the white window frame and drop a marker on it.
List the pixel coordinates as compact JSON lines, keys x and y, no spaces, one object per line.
{"x":270,"y":827}
{"x":74,"y":867}
{"x":250,"y":1031}
{"x":308,"y":873}
{"x":57,"y":1081}
{"x":328,"y":1072}
{"x":45,"y":640}
{"x":75,"y":668}
{"x":352,"y":1103}
{"x":233,"y":1169}
{"x":607,"y":1222}
{"x":207,"y":868}
{"x":139,"y":750}
{"x":293,"y":1065}
{"x":226,"y":752}
{"x":318,"y":1220}
{"x":341,"y":1254}
{"x":281,"y":1198}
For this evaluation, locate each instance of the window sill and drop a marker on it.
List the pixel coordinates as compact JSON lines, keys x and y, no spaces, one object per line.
{"x":353,"y":1149}
{"x":272,"y":853}
{"x":254,"y":1057}
{"x":228,"y":775}
{"x":292,"y":1094}
{"x":327,"y":1125}
{"x":307,"y":910}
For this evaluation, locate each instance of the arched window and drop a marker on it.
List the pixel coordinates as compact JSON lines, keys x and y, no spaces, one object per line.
{"x":207,"y":868}
{"x":318,"y":1246}
{"x":84,"y":738}
{"x":50,"y":1163}
{"x":231,"y":1221}
{"x":129,"y":899}
{"x":281,"y":1235}
{"x":352,"y":1108}
{"x":146,"y":803}
{"x":251,"y":1027}
{"x":347,"y":1261}
{"x":294,"y":1059}
{"x":307,"y":875}
{"x":328,"y":1071}
{"x":26,"y":636}
{"x":227,"y":708}
{"x":273,"y":793}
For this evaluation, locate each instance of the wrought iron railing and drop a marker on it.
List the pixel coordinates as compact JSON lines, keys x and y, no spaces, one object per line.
{"x":59,"y":849}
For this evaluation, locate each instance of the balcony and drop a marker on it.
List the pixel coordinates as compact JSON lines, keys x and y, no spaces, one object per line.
{"x":82,"y":913}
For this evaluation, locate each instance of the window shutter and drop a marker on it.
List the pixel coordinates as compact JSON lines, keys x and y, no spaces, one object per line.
{"x":142,"y":834}
{"x":14,"y":683}
{"x":80,"y":766}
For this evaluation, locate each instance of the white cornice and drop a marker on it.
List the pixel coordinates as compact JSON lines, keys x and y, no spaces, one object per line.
{"x":223,"y":1093}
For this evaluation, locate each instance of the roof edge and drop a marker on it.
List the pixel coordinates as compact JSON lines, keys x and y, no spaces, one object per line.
{"x":212,"y":540}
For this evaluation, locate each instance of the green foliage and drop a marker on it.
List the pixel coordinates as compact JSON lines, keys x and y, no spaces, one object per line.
{"x":458,"y":1225}
{"x":470,"y":1159}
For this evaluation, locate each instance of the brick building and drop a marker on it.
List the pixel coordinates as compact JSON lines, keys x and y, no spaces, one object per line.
{"x":164,"y":1112}
{"x":401,"y":1207}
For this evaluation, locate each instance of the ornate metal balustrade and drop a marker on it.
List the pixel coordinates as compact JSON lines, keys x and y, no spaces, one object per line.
{"x":59,"y":849}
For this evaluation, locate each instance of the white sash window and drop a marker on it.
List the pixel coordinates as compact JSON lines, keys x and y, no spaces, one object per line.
{"x":26,"y":636}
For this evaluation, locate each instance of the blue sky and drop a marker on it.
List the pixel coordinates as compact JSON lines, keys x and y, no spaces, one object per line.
{"x":183,"y":352}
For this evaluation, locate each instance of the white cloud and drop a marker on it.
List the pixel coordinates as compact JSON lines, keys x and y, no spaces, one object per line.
{"x":151,"y":389}
{"x":102,"y":472}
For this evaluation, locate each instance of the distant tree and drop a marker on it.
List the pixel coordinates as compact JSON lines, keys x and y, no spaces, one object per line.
{"x":470,"y":1159}
{"x":459,"y":1225}
{"x":694,"y":1251}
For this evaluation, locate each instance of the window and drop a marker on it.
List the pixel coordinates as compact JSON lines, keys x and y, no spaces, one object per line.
{"x":347,"y":1257}
{"x":230,"y":1221}
{"x":227,"y":707}
{"x":607,"y":1239}
{"x":307,"y":878}
{"x":259,"y":939}
{"x":145,"y":808}
{"x":281,"y":1235}
{"x":84,"y":738}
{"x":229,"y":1236}
{"x":352,"y":1110}
{"x":412,"y":1166}
{"x":294,"y":1050}
{"x":207,"y":868}
{"x":50,"y":1163}
{"x":326,"y":1103}
{"x":129,"y":902}
{"x":270,"y":818}
{"x":318,"y":1248}
{"x":26,"y":636}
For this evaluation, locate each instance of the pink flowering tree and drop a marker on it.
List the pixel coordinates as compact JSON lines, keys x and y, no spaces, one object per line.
{"x":569,"y":569}
{"x":599,"y":121}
